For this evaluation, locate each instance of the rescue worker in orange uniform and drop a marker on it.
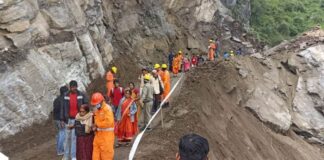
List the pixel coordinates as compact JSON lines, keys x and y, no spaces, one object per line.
{"x":211,"y":50}
{"x":103,"y":144}
{"x":157,"y":67}
{"x":180,"y":61}
{"x":166,"y":79}
{"x":110,"y":77}
{"x":175,"y":65}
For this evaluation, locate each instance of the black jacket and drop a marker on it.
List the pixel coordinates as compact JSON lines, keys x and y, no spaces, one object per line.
{"x":57,"y":105}
{"x":82,"y":99}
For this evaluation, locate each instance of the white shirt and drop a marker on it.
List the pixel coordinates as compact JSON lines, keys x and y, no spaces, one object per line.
{"x":155,"y":84}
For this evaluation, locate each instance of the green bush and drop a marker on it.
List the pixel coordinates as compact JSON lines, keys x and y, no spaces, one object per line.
{"x":277,"y":20}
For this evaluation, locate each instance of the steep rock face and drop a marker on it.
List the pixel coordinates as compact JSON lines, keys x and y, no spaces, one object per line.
{"x":308,"y":102}
{"x":287,"y":89}
{"x":46,"y":43}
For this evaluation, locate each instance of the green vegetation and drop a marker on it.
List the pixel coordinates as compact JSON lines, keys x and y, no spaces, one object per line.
{"x":273,"y":21}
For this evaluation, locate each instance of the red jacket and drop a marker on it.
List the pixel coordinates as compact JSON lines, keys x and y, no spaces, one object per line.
{"x":116,"y":94}
{"x":194,"y":60}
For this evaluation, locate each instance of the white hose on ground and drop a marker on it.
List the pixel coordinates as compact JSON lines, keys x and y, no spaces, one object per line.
{"x":140,"y":135}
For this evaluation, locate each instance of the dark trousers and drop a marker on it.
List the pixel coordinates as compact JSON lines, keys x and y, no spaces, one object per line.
{"x":156,"y":102}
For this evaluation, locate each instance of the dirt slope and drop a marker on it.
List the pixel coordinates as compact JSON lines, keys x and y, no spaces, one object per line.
{"x":207,"y":106}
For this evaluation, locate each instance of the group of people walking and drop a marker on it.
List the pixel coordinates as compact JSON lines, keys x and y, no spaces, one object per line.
{"x":87,"y":129}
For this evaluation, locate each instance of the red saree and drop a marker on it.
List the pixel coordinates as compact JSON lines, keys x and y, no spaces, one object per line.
{"x":126,"y":128}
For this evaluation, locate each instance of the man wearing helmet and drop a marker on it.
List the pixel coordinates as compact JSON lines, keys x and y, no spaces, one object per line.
{"x":103,"y":144}
{"x":147,"y":100}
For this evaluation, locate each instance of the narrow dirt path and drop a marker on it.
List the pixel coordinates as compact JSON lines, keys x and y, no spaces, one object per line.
{"x":43,"y":147}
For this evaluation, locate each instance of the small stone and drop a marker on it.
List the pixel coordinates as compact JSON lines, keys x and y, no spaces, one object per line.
{"x":235,"y":39}
{"x":244,"y":73}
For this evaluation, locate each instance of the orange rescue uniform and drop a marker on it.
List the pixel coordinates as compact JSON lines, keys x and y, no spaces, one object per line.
{"x":110,"y":82}
{"x":176,"y":65}
{"x":166,"y":79}
{"x":211,"y":51}
{"x":103,"y":144}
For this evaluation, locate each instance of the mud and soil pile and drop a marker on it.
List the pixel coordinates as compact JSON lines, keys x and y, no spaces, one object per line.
{"x":208,"y":104}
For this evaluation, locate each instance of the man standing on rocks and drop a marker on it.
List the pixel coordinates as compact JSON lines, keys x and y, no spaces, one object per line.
{"x":60,"y":125}
{"x":147,"y":100}
{"x":71,"y":106}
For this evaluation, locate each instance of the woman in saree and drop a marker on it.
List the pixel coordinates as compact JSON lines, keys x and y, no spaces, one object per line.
{"x":126,"y":117}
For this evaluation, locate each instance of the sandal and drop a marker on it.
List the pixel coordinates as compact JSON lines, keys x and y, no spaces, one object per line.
{"x":127,"y":144}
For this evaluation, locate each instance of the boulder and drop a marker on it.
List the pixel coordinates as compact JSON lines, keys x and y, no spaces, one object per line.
{"x":39,"y":27}
{"x":92,"y":55}
{"x":305,"y":116}
{"x":20,"y":39}
{"x":236,"y":39}
{"x":243,"y":72}
{"x":58,"y":16}
{"x":127,"y":22}
{"x":270,"y":109}
{"x":258,"y":56}
{"x":314,"y":55}
{"x":193,"y":43}
{"x":292,"y":64}
{"x":17,"y":26}
{"x":205,"y":12}
{"x":4,"y":42}
{"x":22,"y":10}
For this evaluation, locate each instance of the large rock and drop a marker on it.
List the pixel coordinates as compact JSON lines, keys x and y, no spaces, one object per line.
{"x":205,"y":12}
{"x":22,"y":10}
{"x":17,"y":26}
{"x":40,"y":28}
{"x":28,"y":90}
{"x":127,"y":23}
{"x":309,"y":96}
{"x":59,"y":16}
{"x":270,"y":108}
{"x":193,"y":43}
{"x":94,"y":59}
{"x":20,"y":39}
{"x":4,"y":42}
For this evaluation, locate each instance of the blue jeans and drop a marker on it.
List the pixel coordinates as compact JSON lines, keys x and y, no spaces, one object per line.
{"x":70,"y":141}
{"x":60,"y":137}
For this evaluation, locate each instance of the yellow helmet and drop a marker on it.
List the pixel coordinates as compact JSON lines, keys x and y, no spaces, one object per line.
{"x":164,"y":66}
{"x":147,"y":77}
{"x":211,"y":41}
{"x":114,"y":69}
{"x":156,"y":66}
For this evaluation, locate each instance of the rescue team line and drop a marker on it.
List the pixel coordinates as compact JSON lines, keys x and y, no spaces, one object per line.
{"x":140,"y":135}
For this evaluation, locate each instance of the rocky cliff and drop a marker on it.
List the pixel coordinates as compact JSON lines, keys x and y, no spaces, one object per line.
{"x":46,"y":43}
